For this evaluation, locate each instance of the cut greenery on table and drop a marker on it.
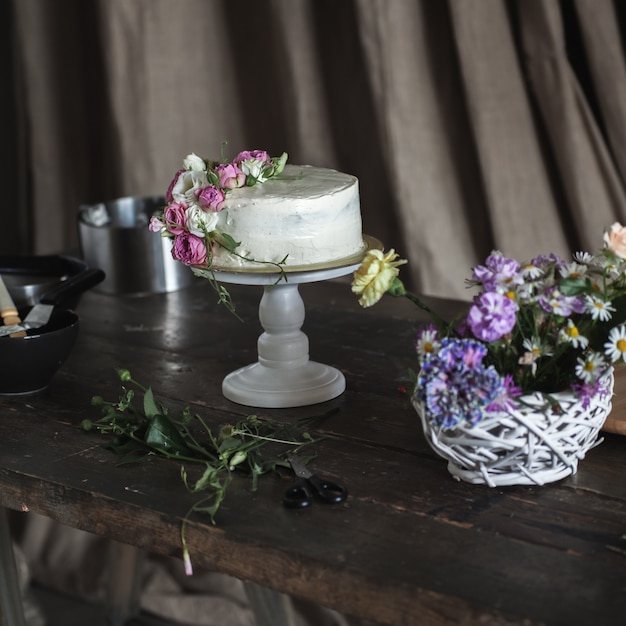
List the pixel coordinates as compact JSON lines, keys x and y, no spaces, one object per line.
{"x":144,"y":428}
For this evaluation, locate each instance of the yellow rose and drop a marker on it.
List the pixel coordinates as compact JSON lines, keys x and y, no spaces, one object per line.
{"x":375,"y":275}
{"x":615,"y":239}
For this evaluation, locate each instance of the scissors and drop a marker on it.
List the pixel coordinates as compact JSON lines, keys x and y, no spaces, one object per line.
{"x":308,"y":486}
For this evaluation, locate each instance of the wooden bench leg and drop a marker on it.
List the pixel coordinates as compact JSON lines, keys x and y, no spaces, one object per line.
{"x":270,"y":608}
{"x":11,"y":607}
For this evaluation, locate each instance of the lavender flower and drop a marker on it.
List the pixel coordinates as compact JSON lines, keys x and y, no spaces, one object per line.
{"x":498,"y":272}
{"x":492,"y":316}
{"x":454,"y":385}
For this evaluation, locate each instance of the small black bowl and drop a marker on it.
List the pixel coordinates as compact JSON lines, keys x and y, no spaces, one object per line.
{"x":27,"y":364}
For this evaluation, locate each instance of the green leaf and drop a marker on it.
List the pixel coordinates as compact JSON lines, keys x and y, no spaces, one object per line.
{"x":229,"y":444}
{"x":229,"y":243}
{"x":574,"y":286}
{"x":209,"y":478}
{"x":150,"y":407}
{"x":163,"y":435}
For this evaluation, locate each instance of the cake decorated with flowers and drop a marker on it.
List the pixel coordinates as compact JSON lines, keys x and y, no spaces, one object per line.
{"x":257,"y":212}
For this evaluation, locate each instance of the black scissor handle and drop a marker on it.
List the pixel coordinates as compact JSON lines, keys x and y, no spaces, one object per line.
{"x":328,"y":492}
{"x":298,"y":496}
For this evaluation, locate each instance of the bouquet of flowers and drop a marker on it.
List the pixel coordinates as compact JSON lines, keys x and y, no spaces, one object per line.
{"x":195,"y":198}
{"x":533,"y":329}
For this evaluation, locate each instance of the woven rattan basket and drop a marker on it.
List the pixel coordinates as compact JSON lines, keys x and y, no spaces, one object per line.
{"x":530,"y":444}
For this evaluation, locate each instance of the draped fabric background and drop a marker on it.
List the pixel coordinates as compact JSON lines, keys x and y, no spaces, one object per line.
{"x":471,"y":124}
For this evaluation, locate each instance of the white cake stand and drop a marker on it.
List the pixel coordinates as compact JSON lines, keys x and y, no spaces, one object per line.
{"x":284,"y":376}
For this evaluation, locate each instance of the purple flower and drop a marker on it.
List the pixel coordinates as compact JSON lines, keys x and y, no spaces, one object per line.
{"x":174,"y":218}
{"x":230,"y":176}
{"x":585,"y":391}
{"x":506,"y":399}
{"x":189,"y":249}
{"x":492,"y":316}
{"x":553,"y":301}
{"x":156,"y":225}
{"x":211,"y":198}
{"x":498,"y":271}
{"x":548,"y":259}
{"x":453,"y":384}
{"x":252,"y":155}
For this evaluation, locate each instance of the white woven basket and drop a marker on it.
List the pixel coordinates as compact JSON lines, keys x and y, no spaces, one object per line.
{"x":531,"y":444}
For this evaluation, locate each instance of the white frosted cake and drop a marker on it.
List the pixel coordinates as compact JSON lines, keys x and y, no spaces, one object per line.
{"x":256,"y":211}
{"x":309,"y":215}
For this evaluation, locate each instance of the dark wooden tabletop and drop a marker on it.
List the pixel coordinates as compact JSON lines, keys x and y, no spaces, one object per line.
{"x":409,"y":546}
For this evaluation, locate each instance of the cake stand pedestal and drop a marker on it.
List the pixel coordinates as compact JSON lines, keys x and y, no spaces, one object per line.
{"x":283,"y":376}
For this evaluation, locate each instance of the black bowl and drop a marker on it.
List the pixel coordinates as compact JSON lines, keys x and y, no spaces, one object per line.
{"x":27,"y":364}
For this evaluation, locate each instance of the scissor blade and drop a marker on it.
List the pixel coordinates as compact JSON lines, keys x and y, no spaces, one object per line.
{"x":298,"y":466}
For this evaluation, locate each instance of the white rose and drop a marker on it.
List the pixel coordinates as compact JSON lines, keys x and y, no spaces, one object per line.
{"x":194,"y":163}
{"x":199,"y":221}
{"x":254,"y":168}
{"x":186,"y":186}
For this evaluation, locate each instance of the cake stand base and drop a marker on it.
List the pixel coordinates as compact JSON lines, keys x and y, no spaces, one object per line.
{"x":283,"y":376}
{"x":268,"y":387}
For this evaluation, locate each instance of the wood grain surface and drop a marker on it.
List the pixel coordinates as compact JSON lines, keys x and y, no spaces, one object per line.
{"x":410,"y":546}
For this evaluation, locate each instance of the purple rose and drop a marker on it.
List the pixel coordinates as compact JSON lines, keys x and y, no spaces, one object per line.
{"x":230,"y":176}
{"x":492,"y":316}
{"x":168,"y":193}
{"x":174,"y":218}
{"x":211,"y":198}
{"x":189,"y":249}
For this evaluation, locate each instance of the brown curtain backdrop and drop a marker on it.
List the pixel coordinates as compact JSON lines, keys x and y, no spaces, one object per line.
{"x":471,"y":124}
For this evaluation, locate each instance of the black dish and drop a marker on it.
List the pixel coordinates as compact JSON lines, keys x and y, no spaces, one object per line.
{"x":28,"y":364}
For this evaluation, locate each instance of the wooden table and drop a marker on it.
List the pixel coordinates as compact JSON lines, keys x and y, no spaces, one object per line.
{"x":410,"y":546}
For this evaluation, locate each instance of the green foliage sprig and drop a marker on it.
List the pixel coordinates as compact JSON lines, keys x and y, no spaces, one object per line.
{"x":146,"y":428}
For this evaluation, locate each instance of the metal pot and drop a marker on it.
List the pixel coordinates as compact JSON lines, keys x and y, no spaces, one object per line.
{"x":115,"y":236}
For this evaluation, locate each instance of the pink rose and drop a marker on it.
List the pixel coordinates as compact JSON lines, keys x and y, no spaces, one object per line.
{"x":189,"y":249}
{"x":254,"y":165}
{"x":156,"y":225}
{"x":168,"y":194}
{"x":230,"y":175}
{"x":174,"y":218}
{"x":615,"y":239}
{"x":211,"y":198}
{"x":252,"y":155}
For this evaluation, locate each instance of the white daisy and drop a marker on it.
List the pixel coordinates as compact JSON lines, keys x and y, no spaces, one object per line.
{"x":530,"y":271}
{"x":590,"y":368}
{"x":615,"y":347}
{"x":583,"y":257}
{"x":535,"y":346}
{"x":573,"y":270}
{"x":598,"y":308}
{"x":427,"y":343}
{"x":571,"y":334}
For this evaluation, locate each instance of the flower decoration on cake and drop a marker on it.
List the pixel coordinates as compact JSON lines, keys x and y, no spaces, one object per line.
{"x":544,"y":326}
{"x":198,"y":193}
{"x":196,"y":196}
